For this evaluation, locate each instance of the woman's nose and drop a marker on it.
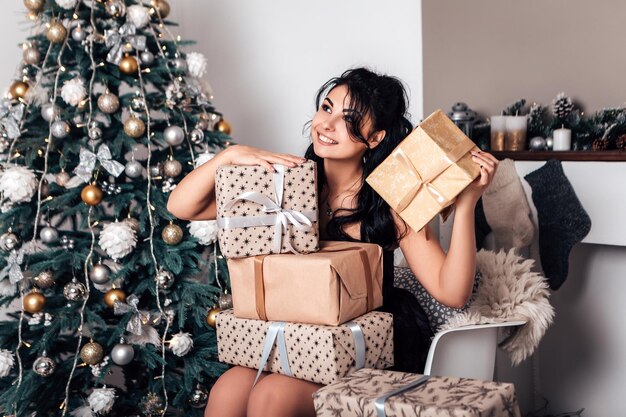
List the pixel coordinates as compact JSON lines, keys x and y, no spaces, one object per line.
{"x":330,"y":122}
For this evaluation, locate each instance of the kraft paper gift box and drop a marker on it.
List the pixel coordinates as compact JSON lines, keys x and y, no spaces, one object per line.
{"x":427,"y":170}
{"x":261,"y":212}
{"x":340,"y":282}
{"x":321,"y":354}
{"x":376,"y":393}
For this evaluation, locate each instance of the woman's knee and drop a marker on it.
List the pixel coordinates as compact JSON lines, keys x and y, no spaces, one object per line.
{"x":229,"y":395}
{"x":281,"y":396}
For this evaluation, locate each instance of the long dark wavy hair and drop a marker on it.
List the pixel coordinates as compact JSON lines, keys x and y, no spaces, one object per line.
{"x":385,"y":100}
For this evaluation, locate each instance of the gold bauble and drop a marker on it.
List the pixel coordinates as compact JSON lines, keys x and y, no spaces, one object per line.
{"x":172,"y":234}
{"x":113,"y":295}
{"x":34,"y":5}
{"x":34,"y":302}
{"x":128,"y":65}
{"x":92,"y":353}
{"x":108,"y":102}
{"x":134,"y":127}
{"x":223,"y":126}
{"x":91,"y":194}
{"x":212,"y":315}
{"x":18,"y":89}
{"x":162,"y":6}
{"x":56,"y":32}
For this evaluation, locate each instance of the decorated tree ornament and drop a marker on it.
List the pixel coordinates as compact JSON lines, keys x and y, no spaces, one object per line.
{"x":133,"y":169}
{"x":196,"y":136}
{"x":212,"y":315}
{"x":199,"y":397}
{"x":108,"y":102}
{"x":101,"y":400}
{"x":100,"y":273}
{"x":94,"y":133}
{"x":18,"y":184}
{"x":128,"y":65}
{"x":18,"y":89}
{"x":117,"y":239}
{"x":172,"y":168}
{"x":203,"y":230}
{"x":549,"y":143}
{"x":91,"y":194}
{"x":179,"y":64}
{"x":197,"y":63}
{"x":67,"y":243}
{"x":203,"y":123}
{"x":147,"y":58}
{"x":60,"y":129}
{"x":73,"y":91}
{"x":44,"y":280}
{"x":34,"y":302}
{"x":56,"y":32}
{"x":225,"y":301}
{"x":138,"y":15}
{"x":562,"y":106}
{"x":537,"y":143}
{"x":181,"y":343}
{"x":114,"y":295}
{"x":115,"y":8}
{"x":6,"y":362}
{"x":151,"y":405}
{"x":223,"y":126}
{"x":62,"y":178}
{"x":134,"y":224}
{"x":44,"y":366}
{"x":74,"y":290}
{"x":9,"y":241}
{"x":137,"y":104}
{"x":31,"y":55}
{"x":164,"y":279}
{"x":122,"y":354}
{"x":34,"y":5}
{"x":91,"y":353}
{"x":174,"y":135}
{"x":172,"y":234}
{"x":49,"y":234}
{"x":49,"y":112}
{"x":162,"y":7}
{"x":134,"y":127}
{"x":67,"y":4}
{"x":156,"y":170}
{"x":79,"y":33}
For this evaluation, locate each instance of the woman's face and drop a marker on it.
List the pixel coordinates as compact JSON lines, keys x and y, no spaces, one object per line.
{"x":329,"y":129}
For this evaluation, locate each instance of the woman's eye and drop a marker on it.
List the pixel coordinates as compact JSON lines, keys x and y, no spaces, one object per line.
{"x":326,"y":108}
{"x":348,"y":119}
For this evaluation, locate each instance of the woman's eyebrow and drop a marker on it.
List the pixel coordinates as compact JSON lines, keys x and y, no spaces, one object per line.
{"x":352,"y":111}
{"x":330,"y":101}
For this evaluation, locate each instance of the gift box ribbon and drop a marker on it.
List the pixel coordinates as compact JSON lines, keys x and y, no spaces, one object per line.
{"x":277,"y":216}
{"x":451,"y":157}
{"x":259,"y":284}
{"x":379,"y":403}
{"x":276,"y":335}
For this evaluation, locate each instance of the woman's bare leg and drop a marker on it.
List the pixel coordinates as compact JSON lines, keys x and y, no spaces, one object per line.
{"x":282,"y":396}
{"x":229,"y":396}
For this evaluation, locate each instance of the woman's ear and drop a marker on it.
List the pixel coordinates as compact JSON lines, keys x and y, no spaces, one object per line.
{"x":376,"y":138}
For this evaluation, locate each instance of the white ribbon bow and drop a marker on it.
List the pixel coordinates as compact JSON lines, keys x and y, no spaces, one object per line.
{"x":88,"y":162}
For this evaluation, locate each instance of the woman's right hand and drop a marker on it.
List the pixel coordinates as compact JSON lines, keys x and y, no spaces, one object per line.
{"x":247,"y":155}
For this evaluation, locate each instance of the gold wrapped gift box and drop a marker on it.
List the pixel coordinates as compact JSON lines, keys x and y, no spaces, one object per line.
{"x":426,"y":171}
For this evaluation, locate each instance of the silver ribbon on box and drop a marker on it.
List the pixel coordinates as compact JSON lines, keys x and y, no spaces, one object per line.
{"x":276,"y":215}
{"x":116,"y":38}
{"x":88,"y":162}
{"x":379,"y":403}
{"x":276,"y":335}
{"x":139,"y":317}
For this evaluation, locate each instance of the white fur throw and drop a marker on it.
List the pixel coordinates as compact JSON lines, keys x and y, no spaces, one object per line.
{"x":509,"y":290}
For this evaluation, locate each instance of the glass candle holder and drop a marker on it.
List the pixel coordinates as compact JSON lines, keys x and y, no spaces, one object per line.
{"x":498,"y":130}
{"x":515,"y":138}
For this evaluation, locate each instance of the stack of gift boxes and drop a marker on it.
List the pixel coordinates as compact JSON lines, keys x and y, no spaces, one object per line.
{"x":307,"y":308}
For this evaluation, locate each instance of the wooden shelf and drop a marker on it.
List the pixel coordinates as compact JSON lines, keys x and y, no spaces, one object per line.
{"x":607,"y":156}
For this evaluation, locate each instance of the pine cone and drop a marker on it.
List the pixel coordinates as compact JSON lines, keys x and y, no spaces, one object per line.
{"x":562,"y":106}
{"x":620,"y":142}
{"x":600,"y":144}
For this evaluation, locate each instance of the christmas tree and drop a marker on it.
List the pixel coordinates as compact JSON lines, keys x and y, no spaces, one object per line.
{"x":110,"y":298}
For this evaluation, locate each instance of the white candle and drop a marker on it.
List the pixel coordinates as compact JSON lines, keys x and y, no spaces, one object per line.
{"x":562,"y":139}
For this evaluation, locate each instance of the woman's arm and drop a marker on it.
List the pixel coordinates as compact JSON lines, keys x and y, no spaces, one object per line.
{"x":449,"y":278}
{"x":194,"y":197}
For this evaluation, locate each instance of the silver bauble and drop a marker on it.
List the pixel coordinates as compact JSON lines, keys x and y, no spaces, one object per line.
{"x":198,"y":397}
{"x":108,"y":103}
{"x":147,"y":57}
{"x":9,"y":241}
{"x":100,"y":274}
{"x":74,"y":291}
{"x":44,"y":366}
{"x":43,"y":280}
{"x":196,"y":136}
{"x":49,"y":112}
{"x":549,"y":143}
{"x":537,"y":143}
{"x":60,"y":129}
{"x":95,"y":133}
{"x":179,"y":64}
{"x":174,"y":135}
{"x":172,"y":168}
{"x":133,"y":169}
{"x":225,"y":301}
{"x":79,"y":34}
{"x":62,"y":178}
{"x":156,"y":170}
{"x":115,"y":8}
{"x":48,"y":234}
{"x":164,"y":279}
{"x":137,"y":104}
{"x":203,"y":124}
{"x":122,"y":354}
{"x":31,"y":55}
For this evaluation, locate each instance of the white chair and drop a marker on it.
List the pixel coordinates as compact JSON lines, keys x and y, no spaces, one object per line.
{"x":466,"y":351}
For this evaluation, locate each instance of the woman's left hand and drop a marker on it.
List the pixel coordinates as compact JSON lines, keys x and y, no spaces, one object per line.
{"x":488,"y":165}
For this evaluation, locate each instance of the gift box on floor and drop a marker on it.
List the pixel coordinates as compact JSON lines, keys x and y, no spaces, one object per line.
{"x":340,"y":282}
{"x":372,"y":392}
{"x":322,"y":354}
{"x":261,"y":212}
{"x":427,"y":170}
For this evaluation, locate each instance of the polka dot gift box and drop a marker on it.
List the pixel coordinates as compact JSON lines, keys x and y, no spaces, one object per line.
{"x":261,"y":212}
